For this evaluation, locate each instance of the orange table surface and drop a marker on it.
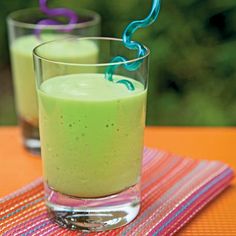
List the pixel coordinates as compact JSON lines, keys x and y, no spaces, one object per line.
{"x":18,"y":168}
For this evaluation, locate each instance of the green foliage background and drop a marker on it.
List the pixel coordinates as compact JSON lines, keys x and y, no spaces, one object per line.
{"x":193,"y":60}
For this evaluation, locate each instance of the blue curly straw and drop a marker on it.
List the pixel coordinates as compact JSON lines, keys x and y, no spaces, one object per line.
{"x":127,"y":35}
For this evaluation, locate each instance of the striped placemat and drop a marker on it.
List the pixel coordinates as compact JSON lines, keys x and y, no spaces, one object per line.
{"x":174,"y":189}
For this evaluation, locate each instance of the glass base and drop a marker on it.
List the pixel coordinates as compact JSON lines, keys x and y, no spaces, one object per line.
{"x":33,"y":146}
{"x":30,"y":134}
{"x":93,"y":214}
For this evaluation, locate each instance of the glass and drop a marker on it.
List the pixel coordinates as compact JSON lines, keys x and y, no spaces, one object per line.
{"x":21,"y":26}
{"x":91,"y":132}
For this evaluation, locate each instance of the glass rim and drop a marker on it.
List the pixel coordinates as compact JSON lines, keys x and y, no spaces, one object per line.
{"x":136,"y":59}
{"x":96,"y":19}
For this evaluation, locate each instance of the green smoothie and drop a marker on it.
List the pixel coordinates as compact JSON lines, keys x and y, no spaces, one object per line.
{"x":22,"y":67}
{"x":91,"y":134}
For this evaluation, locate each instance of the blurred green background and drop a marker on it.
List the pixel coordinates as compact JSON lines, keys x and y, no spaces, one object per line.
{"x":193,"y":60}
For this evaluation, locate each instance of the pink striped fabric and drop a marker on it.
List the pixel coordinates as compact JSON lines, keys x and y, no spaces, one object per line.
{"x":174,"y":189}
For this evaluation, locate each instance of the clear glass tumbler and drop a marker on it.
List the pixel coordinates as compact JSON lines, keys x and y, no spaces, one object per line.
{"x":22,"y":37}
{"x":91,"y":132}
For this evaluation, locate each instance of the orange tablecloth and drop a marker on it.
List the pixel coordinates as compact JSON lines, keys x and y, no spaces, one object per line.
{"x":18,"y":168}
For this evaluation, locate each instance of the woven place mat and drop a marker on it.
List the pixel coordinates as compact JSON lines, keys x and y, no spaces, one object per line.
{"x":174,"y":189}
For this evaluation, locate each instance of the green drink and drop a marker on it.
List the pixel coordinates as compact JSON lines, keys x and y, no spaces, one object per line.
{"x":24,"y":83}
{"x":91,"y":132}
{"x":21,"y":28}
{"x":101,"y":125}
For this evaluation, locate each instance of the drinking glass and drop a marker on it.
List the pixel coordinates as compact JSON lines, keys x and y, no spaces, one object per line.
{"x":22,"y":40}
{"x":91,"y":131}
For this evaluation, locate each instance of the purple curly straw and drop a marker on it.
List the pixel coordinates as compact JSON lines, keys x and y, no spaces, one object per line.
{"x":71,"y":15}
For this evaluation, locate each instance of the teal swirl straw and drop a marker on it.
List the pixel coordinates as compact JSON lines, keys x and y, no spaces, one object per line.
{"x":127,"y":35}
